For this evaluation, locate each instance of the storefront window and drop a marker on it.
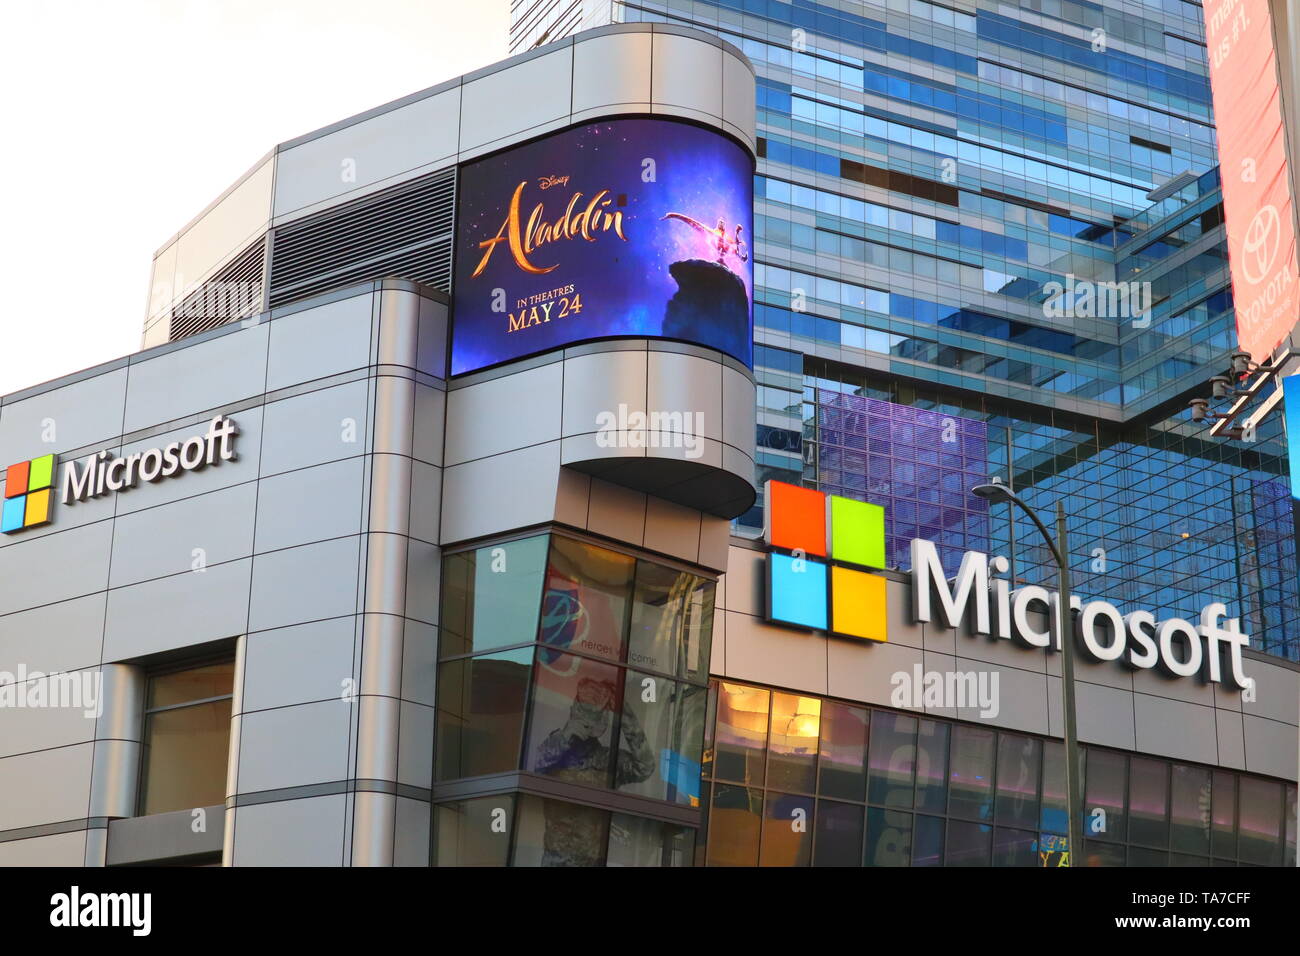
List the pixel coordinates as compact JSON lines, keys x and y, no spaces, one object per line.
{"x":842,"y":769}
{"x":186,"y":738}
{"x":672,"y":622}
{"x":972,"y":773}
{"x":481,"y":713}
{"x":492,"y":596}
{"x":1019,"y":764}
{"x":787,"y":830}
{"x":588,"y":592}
{"x":1105,"y":783}
{"x":839,"y":834}
{"x":734,"y":825}
{"x":1148,"y":801}
{"x":889,"y":838}
{"x":556,"y":833}
{"x":892,"y":764}
{"x":639,"y":841}
{"x":741,"y":738}
{"x":473,"y":832}
{"x":1189,"y":810}
{"x":968,"y":843}
{"x":1014,"y":848}
{"x":796,"y":723}
{"x":571,"y":730}
{"x":660,"y":734}
{"x":1224,"y":810}
{"x":1260,"y":821}
{"x":931,"y":765}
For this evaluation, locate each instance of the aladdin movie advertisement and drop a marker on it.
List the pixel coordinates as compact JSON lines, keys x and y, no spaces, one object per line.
{"x":622,"y":228}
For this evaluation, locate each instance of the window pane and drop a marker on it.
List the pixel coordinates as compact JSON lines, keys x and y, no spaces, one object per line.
{"x":843,"y":765}
{"x":971,"y":776}
{"x":1141,"y":856}
{"x":571,"y":730}
{"x":554,"y":833}
{"x":968,"y":843}
{"x":796,"y":722}
{"x":1015,"y":847}
{"x":734,"y":825}
{"x":473,"y":832}
{"x":1054,"y":850}
{"x":889,"y":835}
{"x":672,"y":621}
{"x":1260,"y":816}
{"x":639,"y":841}
{"x":185,"y":753}
{"x":197,"y":683}
{"x":927,"y":841}
{"x":588,"y":591}
{"x":491,"y":596}
{"x":1103,"y":854}
{"x":787,"y":830}
{"x":1105,"y":784}
{"x":1189,"y":830}
{"x":1019,"y":762}
{"x":481,"y":713}
{"x":660,"y":739}
{"x":741,"y":733}
{"x":1148,"y":801}
{"x":1288,"y":854}
{"x":1054,"y":815}
{"x":893,"y":760}
{"x":931,"y":766}
{"x":839,"y":834}
{"x":1225,"y":814}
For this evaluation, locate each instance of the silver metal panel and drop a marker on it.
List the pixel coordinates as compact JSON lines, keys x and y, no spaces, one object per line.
{"x":164,"y":836}
{"x":739,"y":401}
{"x":188,"y":535}
{"x":183,"y":610}
{"x":61,"y":849}
{"x":64,"y":517}
{"x":378,"y":150}
{"x":310,"y":504}
{"x":298,"y":665}
{"x":394,"y":414}
{"x":55,"y":567}
{"x":425,"y":501}
{"x":672,"y":529}
{"x":1232,"y":739}
{"x":319,"y":753}
{"x":430,"y":404}
{"x":423,"y":580}
{"x":524,"y":410}
{"x":226,"y":228}
{"x":1174,"y":728}
{"x":411,"y":836}
{"x":213,"y":373}
{"x":501,"y":107}
{"x":1270,"y":747}
{"x":858,"y":670}
{"x":1021,"y":697}
{"x":767,"y":655}
{"x":685,"y":383}
{"x":316,"y":427}
{"x":431,"y":347}
{"x":415,"y":745}
{"x":616,"y":512}
{"x":25,"y":637}
{"x":1105,"y":715}
{"x":738,"y":98}
{"x":419,"y":662}
{"x":84,"y":413}
{"x":1277,"y":692}
{"x":55,"y":786}
{"x":310,"y":583}
{"x":374,"y":818}
{"x":611,"y":73}
{"x":399,"y":327}
{"x":687,"y":78}
{"x":501,"y":493}
{"x":378,"y":720}
{"x":304,"y":832}
{"x":24,"y":729}
{"x":601,"y":383}
{"x":318,"y":342}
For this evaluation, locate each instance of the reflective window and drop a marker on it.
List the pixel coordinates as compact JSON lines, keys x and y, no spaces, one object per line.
{"x":1015,"y":847}
{"x":1260,"y":821}
{"x":672,"y":622}
{"x":186,"y":742}
{"x":660,"y":733}
{"x":1190,"y":807}
{"x":555,"y":833}
{"x":1105,"y":784}
{"x":971,"y":777}
{"x":931,"y":766}
{"x":792,"y":758}
{"x":734,"y":825}
{"x":1224,"y":810}
{"x":889,"y":838}
{"x":492,"y":596}
{"x":741,"y":737}
{"x":1148,"y":800}
{"x":480,"y":707}
{"x":839,"y":834}
{"x":892,"y":764}
{"x":968,"y":843}
{"x":588,"y":592}
{"x":842,"y":766}
{"x":571,"y":726}
{"x":639,"y":841}
{"x":1019,"y":762}
{"x":787,"y":830}
{"x":927,"y":840}
{"x":473,"y":832}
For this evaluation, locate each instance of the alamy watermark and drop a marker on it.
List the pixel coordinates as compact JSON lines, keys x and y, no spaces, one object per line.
{"x":82,"y":690}
{"x":931,"y":689}
{"x":637,"y":429}
{"x":1088,"y":299}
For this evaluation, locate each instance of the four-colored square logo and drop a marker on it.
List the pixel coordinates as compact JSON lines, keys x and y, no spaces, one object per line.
{"x":29,"y":494}
{"x":815,"y":576}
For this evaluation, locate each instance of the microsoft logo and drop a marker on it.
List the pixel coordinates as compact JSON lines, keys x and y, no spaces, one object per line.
{"x":29,"y":490}
{"x":820,"y":543}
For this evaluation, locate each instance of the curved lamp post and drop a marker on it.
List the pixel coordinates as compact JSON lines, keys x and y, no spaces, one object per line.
{"x":1073,"y":798}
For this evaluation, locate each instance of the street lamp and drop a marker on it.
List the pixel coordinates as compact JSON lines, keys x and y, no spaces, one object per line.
{"x":1001,"y":493}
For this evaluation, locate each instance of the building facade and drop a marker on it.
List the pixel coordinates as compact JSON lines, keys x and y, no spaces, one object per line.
{"x":336,"y":586}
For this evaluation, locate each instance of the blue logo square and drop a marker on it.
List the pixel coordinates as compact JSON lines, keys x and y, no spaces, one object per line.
{"x":11,"y":519}
{"x":796,"y":597}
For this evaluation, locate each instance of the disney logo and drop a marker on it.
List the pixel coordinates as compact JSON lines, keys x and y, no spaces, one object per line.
{"x":546,"y":182}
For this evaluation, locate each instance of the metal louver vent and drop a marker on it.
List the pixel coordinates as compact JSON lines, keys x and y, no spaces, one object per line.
{"x":405,"y":231}
{"x":233,"y":293}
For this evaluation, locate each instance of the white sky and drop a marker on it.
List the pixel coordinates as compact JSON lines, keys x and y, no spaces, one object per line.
{"x":124,"y":119}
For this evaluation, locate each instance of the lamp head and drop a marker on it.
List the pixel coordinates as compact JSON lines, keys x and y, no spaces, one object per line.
{"x":993,"y":491}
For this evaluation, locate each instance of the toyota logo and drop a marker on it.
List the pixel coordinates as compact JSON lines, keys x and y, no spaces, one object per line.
{"x":1259,"y":247}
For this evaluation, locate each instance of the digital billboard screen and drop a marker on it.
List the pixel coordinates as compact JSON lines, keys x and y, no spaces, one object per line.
{"x":623,"y":228}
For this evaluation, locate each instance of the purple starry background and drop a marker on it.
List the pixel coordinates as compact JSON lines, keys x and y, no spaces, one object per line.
{"x":625,"y":286}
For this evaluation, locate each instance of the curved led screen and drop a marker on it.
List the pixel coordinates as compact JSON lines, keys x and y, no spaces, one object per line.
{"x":629,"y":227}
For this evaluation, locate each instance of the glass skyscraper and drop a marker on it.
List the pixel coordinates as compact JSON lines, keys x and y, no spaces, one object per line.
{"x":989,"y":242}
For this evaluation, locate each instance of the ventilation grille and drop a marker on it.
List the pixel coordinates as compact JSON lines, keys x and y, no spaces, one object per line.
{"x":405,"y":231}
{"x":232,"y":294}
